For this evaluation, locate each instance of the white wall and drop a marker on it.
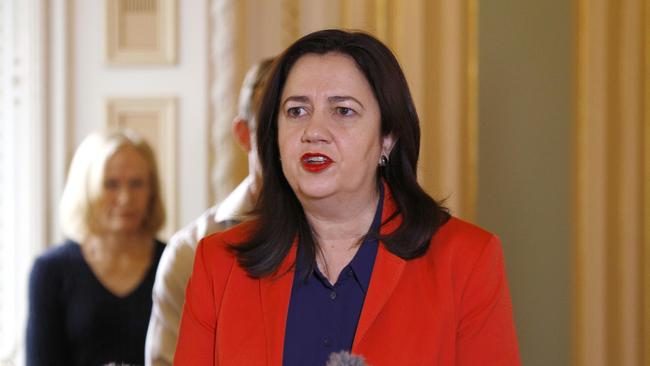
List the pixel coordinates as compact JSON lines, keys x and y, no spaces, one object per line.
{"x":93,"y":82}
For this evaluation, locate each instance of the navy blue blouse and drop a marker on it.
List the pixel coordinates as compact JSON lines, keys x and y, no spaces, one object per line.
{"x":322,"y":317}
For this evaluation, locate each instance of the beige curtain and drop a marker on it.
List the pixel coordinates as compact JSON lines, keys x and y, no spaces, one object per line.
{"x":610,"y":311}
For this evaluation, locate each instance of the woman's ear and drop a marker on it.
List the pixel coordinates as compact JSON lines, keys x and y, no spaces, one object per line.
{"x":387,"y":143}
{"x":242,"y":133}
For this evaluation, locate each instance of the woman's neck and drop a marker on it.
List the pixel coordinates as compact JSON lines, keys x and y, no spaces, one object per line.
{"x":120,"y":263}
{"x":339,"y":225}
{"x":341,"y":218}
{"x":119,"y":245}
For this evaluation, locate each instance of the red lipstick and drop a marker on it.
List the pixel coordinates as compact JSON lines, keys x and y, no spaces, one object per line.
{"x":314,"y":162}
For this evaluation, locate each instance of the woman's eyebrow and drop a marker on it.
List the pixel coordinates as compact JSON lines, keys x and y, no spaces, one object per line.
{"x":296,"y":98}
{"x":343,"y":98}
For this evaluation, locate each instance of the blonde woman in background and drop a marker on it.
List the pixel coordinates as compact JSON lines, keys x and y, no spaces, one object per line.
{"x":90,"y":298}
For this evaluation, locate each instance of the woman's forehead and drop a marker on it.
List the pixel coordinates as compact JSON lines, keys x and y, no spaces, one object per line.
{"x":327,"y":75}
{"x":127,"y":158}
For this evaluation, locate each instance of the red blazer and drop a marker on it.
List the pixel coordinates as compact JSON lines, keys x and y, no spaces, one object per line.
{"x":450,"y":307}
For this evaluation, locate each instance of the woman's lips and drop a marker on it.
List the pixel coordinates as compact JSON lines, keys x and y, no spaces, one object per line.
{"x":313,"y":162}
{"x":126,"y":215}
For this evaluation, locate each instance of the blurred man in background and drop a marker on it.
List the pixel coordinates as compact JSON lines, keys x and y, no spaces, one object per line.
{"x":177,"y":260}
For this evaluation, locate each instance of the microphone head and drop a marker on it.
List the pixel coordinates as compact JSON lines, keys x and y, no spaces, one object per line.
{"x":345,"y":358}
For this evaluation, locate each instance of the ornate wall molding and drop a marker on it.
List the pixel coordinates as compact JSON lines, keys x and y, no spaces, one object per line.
{"x":227,"y":162}
{"x":141,"y":32}
{"x":25,"y":165}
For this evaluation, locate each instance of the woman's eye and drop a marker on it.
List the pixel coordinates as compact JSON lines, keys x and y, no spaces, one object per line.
{"x":296,"y":112}
{"x":111,"y":184}
{"x":136,"y":183}
{"x":345,"y":111}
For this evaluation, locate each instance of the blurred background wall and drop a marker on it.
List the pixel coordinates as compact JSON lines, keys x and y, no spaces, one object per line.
{"x":534,"y":126}
{"x":526,"y":116}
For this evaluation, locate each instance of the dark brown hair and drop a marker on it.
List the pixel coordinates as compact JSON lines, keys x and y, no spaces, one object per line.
{"x":281,"y":218}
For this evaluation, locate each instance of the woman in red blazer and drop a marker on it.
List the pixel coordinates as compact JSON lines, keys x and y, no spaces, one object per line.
{"x":347,"y":252}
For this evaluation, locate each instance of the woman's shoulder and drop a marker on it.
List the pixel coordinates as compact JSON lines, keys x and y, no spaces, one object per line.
{"x":462,"y":241}
{"x":64,"y":253}
{"x":218,"y":245}
{"x":215,"y":263}
{"x":460,"y":249}
{"x":56,"y":261}
{"x":235,"y":235}
{"x":458,"y":229}
{"x":159,"y":247}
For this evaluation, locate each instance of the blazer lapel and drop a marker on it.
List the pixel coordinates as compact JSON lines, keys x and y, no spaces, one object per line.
{"x":386,"y":273}
{"x":275,"y":292}
{"x":385,"y":277}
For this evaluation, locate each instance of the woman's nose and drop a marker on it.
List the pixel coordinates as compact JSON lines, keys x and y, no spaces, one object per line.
{"x":124,"y":195}
{"x":316,"y":130}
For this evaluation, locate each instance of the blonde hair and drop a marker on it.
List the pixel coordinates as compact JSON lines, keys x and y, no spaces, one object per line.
{"x":84,"y":185}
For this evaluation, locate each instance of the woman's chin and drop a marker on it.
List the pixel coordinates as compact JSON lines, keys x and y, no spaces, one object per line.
{"x":315,"y":191}
{"x":123,"y":229}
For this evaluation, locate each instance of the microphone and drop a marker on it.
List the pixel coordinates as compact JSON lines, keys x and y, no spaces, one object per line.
{"x":345,"y":358}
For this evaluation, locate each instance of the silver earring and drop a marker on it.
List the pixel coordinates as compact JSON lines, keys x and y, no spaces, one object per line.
{"x":383,"y":160}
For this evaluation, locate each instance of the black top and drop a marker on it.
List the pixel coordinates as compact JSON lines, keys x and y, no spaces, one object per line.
{"x":74,"y":320}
